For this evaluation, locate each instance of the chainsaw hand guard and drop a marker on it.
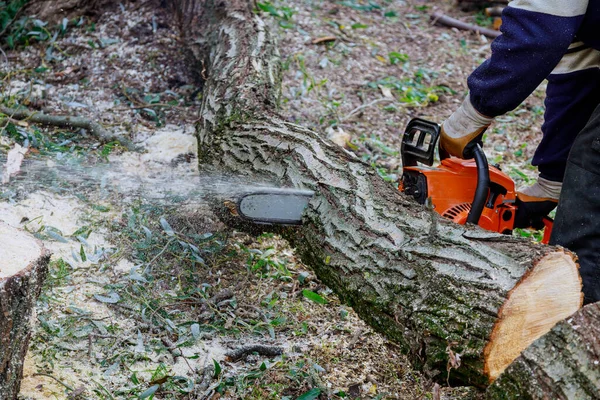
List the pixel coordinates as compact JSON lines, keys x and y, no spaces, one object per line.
{"x":419,"y":142}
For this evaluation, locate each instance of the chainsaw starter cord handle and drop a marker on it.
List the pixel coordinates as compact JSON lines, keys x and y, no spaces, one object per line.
{"x":483,"y":185}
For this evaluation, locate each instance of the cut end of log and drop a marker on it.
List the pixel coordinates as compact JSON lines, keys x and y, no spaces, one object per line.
{"x":547,"y":294}
{"x":23,"y":268}
{"x":18,"y":251}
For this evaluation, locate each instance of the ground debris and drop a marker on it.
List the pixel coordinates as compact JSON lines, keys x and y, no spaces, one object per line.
{"x":260,"y":349}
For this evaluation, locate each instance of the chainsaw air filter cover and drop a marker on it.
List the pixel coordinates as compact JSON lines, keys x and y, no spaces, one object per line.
{"x":458,"y":213}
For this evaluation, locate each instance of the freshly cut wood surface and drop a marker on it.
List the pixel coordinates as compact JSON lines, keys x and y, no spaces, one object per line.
{"x":563,"y":364}
{"x":547,"y":294}
{"x":23,"y":268}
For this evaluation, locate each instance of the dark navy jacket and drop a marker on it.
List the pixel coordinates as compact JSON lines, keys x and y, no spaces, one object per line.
{"x":535,"y":36}
{"x":558,"y":40}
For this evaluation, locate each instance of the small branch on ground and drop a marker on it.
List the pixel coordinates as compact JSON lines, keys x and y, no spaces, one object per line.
{"x":67,"y":121}
{"x":242,"y":352}
{"x":441,"y":19}
{"x":362,"y":107}
{"x":69,"y":388}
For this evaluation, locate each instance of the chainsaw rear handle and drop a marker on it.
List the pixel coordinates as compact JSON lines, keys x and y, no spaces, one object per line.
{"x":483,"y":185}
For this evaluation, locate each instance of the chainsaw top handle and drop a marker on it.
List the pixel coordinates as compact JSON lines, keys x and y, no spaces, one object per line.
{"x":418,"y":142}
{"x":418,"y":146}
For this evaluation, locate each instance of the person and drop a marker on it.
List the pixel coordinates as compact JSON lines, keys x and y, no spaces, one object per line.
{"x":557,"y":40}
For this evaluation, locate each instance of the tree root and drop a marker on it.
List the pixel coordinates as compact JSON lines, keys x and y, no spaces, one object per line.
{"x":269,"y":351}
{"x":67,"y":121}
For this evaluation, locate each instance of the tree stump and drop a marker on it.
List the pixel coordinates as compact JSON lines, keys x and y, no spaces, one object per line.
{"x":563,"y":364}
{"x":23,"y":268}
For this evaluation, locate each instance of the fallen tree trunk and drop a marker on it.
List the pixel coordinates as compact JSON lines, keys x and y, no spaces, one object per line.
{"x":461,"y":302}
{"x":23,"y":268}
{"x":563,"y":364}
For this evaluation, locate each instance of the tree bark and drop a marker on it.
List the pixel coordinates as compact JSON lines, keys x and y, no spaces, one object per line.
{"x":563,"y":364}
{"x":463,"y":303}
{"x":23,"y":268}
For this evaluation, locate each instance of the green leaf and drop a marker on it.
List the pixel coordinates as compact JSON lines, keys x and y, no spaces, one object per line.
{"x":359,"y":26}
{"x":82,"y":254}
{"x":268,"y":7}
{"x":217,"y":368}
{"x":111,"y":298}
{"x":309,"y":294}
{"x":195,"y":328}
{"x":396,"y":57}
{"x":310,"y":395}
{"x":167,"y":228}
{"x":149,"y":392}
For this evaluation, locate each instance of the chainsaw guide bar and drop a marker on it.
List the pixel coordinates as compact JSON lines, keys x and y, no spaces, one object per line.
{"x":274,"y":205}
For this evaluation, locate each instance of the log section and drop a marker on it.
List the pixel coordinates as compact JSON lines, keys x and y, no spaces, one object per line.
{"x":563,"y":364}
{"x":452,"y":297}
{"x":23,"y":268}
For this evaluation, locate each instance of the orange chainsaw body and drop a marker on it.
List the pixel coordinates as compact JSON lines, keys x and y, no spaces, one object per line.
{"x":451,"y":188}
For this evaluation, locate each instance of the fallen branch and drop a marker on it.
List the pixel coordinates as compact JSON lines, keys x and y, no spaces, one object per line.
{"x":441,"y":19}
{"x":67,"y":121}
{"x":268,"y":351}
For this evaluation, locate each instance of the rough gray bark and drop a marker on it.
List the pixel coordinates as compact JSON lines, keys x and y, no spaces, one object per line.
{"x":563,"y":364}
{"x":27,"y":261}
{"x":435,"y":288}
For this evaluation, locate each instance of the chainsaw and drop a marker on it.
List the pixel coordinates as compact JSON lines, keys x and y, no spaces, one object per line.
{"x":463,"y":191}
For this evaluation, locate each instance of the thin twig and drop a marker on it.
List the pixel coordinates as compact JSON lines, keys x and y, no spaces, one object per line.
{"x":360,"y":108}
{"x":439,"y":18}
{"x":69,"y":388}
{"x":67,"y":121}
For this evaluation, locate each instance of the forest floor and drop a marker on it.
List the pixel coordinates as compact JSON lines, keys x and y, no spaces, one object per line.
{"x":148,"y":292}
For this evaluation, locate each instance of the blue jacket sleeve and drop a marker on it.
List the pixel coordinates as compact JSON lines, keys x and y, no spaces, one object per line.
{"x":535,"y":36}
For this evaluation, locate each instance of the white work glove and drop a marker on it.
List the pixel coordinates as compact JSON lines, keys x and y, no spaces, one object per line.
{"x":535,"y":202}
{"x":463,"y":130}
{"x":542,"y":190}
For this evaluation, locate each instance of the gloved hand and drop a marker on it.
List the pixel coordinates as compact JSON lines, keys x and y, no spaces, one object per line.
{"x":535,"y":202}
{"x":463,"y":130}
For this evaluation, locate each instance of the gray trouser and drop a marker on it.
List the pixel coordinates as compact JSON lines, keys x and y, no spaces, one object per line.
{"x":577,"y":224}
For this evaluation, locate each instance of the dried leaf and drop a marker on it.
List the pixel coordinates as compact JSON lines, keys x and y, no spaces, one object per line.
{"x":324,"y":40}
{"x":339,"y":136}
{"x":436,"y":392}
{"x":381,"y":58}
{"x":386,"y":91}
{"x":14,"y":159}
